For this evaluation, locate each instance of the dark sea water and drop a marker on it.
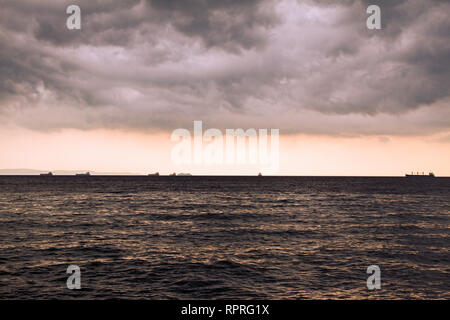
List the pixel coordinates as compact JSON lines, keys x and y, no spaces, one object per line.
{"x":224,"y":237}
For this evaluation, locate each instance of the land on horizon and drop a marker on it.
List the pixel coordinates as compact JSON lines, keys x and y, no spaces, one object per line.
{"x":36,"y":172}
{"x":26,"y":172}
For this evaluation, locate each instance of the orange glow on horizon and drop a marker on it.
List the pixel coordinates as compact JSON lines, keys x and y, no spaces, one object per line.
{"x":141,"y":153}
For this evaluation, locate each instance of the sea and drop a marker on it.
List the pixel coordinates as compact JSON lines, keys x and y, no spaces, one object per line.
{"x":224,"y":237}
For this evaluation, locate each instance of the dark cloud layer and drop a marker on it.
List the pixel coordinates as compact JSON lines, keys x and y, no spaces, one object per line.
{"x":301,"y":66}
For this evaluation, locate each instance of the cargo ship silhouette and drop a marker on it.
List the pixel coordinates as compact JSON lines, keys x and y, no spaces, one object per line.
{"x":87,"y":174}
{"x":420,"y":175}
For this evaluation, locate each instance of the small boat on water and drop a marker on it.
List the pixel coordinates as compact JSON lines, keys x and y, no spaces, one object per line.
{"x":420,"y":175}
{"x":49,"y":174}
{"x":173,"y":174}
{"x":87,"y":174}
{"x":156,"y":174}
{"x":260,"y":174}
{"x":184,"y":174}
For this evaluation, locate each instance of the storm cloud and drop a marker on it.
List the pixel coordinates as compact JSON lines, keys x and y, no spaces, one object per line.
{"x":301,"y":66}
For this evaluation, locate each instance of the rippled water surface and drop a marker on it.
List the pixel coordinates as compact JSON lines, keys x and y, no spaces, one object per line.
{"x":224,"y":237}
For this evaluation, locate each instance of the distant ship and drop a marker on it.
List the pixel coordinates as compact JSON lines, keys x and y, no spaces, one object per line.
{"x":420,"y":175}
{"x":87,"y":174}
{"x":172,"y":174}
{"x":154,"y":174}
{"x":260,"y":174}
{"x":47,"y":174}
{"x":184,"y":174}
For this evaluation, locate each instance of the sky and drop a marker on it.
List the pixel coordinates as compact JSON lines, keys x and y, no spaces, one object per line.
{"x":346,"y":100}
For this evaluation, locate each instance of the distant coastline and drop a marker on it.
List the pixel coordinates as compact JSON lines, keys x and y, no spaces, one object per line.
{"x":35,"y":172}
{"x":62,"y":173}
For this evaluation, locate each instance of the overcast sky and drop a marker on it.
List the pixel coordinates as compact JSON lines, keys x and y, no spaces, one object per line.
{"x":300,"y":66}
